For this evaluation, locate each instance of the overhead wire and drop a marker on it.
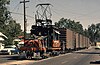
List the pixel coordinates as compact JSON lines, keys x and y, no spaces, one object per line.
{"x":22,"y":14}
{"x":56,"y":13}
{"x":80,"y":15}
{"x":16,"y":7}
{"x":64,"y":12}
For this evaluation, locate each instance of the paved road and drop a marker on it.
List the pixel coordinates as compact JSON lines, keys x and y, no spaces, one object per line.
{"x":83,"y":57}
{"x":86,"y":57}
{"x":8,"y":58}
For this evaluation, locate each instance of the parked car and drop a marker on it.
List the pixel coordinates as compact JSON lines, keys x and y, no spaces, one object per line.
{"x":11,"y":49}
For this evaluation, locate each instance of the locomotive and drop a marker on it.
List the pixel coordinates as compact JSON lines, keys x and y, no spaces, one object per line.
{"x":49,"y":39}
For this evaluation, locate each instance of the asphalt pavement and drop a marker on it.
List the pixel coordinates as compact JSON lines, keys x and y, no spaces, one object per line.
{"x":8,"y":58}
{"x":82,"y":57}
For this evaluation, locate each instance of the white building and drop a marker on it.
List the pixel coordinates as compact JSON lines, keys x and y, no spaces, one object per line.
{"x":2,"y":38}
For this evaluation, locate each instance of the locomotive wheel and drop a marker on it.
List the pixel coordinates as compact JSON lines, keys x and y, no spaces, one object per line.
{"x":28,"y":55}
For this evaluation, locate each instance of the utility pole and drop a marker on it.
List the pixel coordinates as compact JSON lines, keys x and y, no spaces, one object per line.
{"x":25,"y":22}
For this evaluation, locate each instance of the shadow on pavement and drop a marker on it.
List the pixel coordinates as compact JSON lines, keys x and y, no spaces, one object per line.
{"x":87,"y":52}
{"x":12,"y":57}
{"x":18,"y":58}
{"x":95,"y":62}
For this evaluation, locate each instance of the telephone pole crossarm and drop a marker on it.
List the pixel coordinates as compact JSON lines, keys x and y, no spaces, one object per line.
{"x":24,"y":1}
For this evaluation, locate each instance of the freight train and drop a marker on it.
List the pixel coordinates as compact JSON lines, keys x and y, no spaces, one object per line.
{"x":61,"y":41}
{"x":73,"y":40}
{"x":49,"y":39}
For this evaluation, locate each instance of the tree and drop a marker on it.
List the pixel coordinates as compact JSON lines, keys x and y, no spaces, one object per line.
{"x":4,"y":14}
{"x":67,"y":23}
{"x":13,"y":30}
{"x":8,"y":26}
{"x":94,"y":32}
{"x":98,"y":32}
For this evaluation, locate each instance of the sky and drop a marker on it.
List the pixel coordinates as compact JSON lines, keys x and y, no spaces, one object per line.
{"x":84,"y":11}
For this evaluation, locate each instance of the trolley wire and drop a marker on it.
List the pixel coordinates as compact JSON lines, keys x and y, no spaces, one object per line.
{"x":22,"y":14}
{"x":71,"y":11}
{"x":16,"y":7}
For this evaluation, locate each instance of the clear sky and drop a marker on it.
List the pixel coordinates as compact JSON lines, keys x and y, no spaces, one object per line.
{"x":85,"y":11}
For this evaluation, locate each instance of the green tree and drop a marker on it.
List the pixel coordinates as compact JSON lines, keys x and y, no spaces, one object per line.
{"x":4,"y":14}
{"x":13,"y":30}
{"x":98,"y":31}
{"x":8,"y":26}
{"x":67,"y":23}
{"x":94,"y":32}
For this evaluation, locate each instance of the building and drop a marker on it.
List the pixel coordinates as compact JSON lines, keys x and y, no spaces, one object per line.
{"x":2,"y":38}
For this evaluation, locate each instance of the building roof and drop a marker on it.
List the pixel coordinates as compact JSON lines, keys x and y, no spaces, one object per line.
{"x":1,"y":39}
{"x":2,"y":35}
{"x":16,"y":40}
